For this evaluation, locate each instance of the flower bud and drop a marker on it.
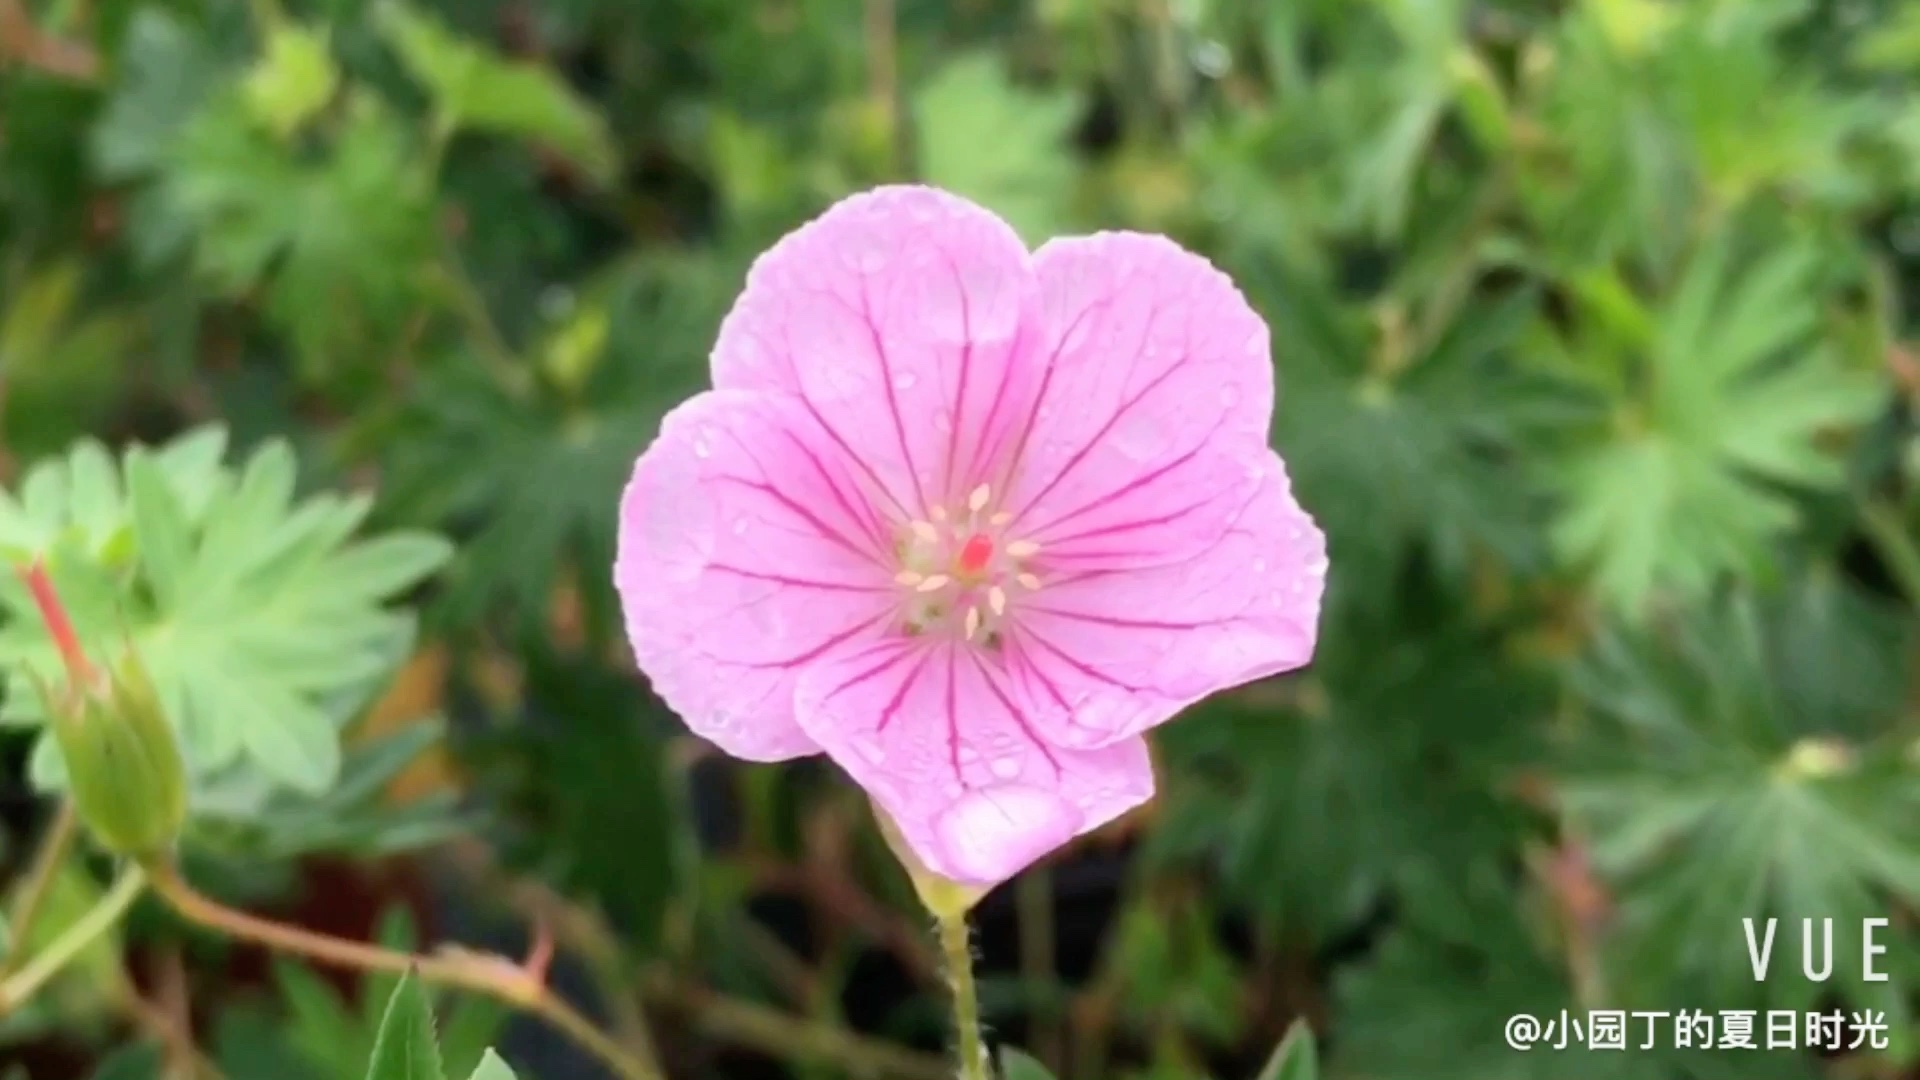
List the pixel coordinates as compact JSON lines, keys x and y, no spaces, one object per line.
{"x":124,"y":769}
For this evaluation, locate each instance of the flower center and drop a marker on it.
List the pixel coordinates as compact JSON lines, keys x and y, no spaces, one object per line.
{"x":959,"y":572}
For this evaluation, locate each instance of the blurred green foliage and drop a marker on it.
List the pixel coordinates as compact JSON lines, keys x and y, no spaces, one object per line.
{"x":1594,"y":326}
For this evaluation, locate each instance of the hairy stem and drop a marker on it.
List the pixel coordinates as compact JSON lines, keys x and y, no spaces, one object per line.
{"x":99,"y":919}
{"x":47,"y":861}
{"x":956,"y":945}
{"x":494,"y":976}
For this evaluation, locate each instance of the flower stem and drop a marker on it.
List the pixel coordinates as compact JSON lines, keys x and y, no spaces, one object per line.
{"x":99,"y":919}
{"x":47,"y":861}
{"x":956,"y":946}
{"x":495,"y":976}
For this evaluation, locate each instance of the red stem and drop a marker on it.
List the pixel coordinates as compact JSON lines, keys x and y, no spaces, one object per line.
{"x":59,"y":626}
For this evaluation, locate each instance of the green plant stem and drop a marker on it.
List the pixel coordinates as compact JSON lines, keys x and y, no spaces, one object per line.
{"x":494,"y":976}
{"x":47,"y":861}
{"x":99,"y":919}
{"x":957,"y":948}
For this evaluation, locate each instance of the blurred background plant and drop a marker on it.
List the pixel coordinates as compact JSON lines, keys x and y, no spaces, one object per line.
{"x":1594,"y":322}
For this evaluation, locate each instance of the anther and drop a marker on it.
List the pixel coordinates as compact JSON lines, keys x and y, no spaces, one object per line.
{"x":1001,"y":518}
{"x":932,"y":584}
{"x":973,"y":622}
{"x":977,"y":501}
{"x":925,"y":531}
{"x":1021,"y":549}
{"x":1028,"y":581}
{"x":907,"y":577}
{"x":997,"y":600}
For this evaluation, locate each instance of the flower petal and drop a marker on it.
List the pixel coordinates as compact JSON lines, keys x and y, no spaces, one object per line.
{"x":1118,"y":652}
{"x":904,"y":319}
{"x":744,"y":555}
{"x":944,"y":744}
{"x":1158,"y":374}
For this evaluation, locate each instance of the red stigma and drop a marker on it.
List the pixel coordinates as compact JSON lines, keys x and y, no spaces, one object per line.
{"x":975,"y":553}
{"x":59,"y":627}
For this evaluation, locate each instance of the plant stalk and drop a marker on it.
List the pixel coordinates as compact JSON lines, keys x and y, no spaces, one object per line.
{"x":482,"y":973}
{"x":47,"y":860}
{"x":956,"y":946}
{"x":99,"y":919}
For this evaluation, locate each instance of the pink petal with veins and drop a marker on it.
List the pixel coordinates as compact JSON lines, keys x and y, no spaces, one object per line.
{"x":1122,"y":651}
{"x":901,"y":319}
{"x":948,"y":749}
{"x":745,"y":555}
{"x":1159,"y":373}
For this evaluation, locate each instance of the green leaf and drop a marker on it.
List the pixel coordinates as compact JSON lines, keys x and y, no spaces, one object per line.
{"x":1019,"y":1065}
{"x":474,"y":88}
{"x":140,"y":1061}
{"x":264,"y":626}
{"x":1738,"y":396}
{"x":160,"y":528}
{"x":293,"y":81}
{"x":405,"y":1049}
{"x":1296,"y":1058}
{"x":970,"y":104}
{"x":491,"y":1067}
{"x":166,"y":72}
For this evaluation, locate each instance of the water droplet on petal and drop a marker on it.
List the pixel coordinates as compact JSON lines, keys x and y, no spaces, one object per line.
{"x":1005,"y":768}
{"x":904,"y":381}
{"x":739,"y":526}
{"x":968,"y":755}
{"x":702,"y":448}
{"x":994,"y":832}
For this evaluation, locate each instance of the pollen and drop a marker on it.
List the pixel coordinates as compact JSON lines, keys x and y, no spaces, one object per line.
{"x":959,"y":570}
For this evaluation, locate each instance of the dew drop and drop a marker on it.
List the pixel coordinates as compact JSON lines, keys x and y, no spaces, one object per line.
{"x":870,"y":748}
{"x":968,"y":755}
{"x":739,"y":526}
{"x":702,"y":448}
{"x":904,"y":381}
{"x":1005,"y":768}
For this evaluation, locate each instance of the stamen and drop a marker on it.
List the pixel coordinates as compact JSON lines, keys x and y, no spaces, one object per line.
{"x":938,"y":513}
{"x":1021,"y":549}
{"x":997,"y":600}
{"x":925,"y":531}
{"x":1028,"y":581}
{"x":973,"y":622}
{"x":908,"y":577}
{"x":1001,"y":518}
{"x":977,"y":501}
{"x":933,"y":584}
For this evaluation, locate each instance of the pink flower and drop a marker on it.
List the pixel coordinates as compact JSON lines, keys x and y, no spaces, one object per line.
{"x":969,"y":520}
